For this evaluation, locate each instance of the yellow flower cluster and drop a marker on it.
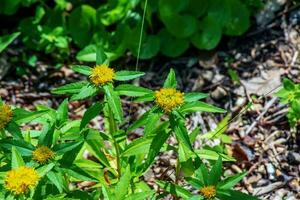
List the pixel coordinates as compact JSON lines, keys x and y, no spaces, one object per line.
{"x":208,"y":192}
{"x":42,"y":154}
{"x":169,"y":98}
{"x":6,"y":115}
{"x":20,"y":179}
{"x":102,"y":74}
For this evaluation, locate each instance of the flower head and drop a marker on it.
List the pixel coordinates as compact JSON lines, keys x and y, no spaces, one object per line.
{"x":6,"y":115}
{"x":20,"y":179}
{"x":42,"y":154}
{"x":208,"y":191}
{"x":168,"y":99}
{"x":102,"y":74}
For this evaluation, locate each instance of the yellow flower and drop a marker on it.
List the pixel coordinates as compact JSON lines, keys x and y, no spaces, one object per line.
{"x":102,"y":74}
{"x":20,"y":179}
{"x":168,"y":99}
{"x":6,"y":115}
{"x":42,"y":154}
{"x":208,"y":191}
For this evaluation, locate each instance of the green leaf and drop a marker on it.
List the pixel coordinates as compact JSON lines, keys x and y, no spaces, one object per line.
{"x":230,"y":182}
{"x":219,"y":131}
{"x":90,"y":114}
{"x":87,"y":54}
{"x":82,"y":69}
{"x":23,"y":147}
{"x":202,"y":174}
{"x":172,"y":24}
{"x":85,"y":92}
{"x":140,"y":195}
{"x":94,"y":146}
{"x":288,"y":84}
{"x":215,"y":173}
{"x":195,"y":182}
{"x":123,"y":185}
{"x":138,"y":146}
{"x":234,"y":195}
{"x":174,"y":189}
{"x":212,"y":155}
{"x":114,"y":102}
{"x":57,"y":179}
{"x":149,"y":48}
{"x":171,"y":82}
{"x":23,"y":116}
{"x":199,"y":106}
{"x":132,"y":90}
{"x":62,"y":112}
{"x":16,"y":158}
{"x":155,"y":146}
{"x":65,"y":147}
{"x":194,"y":96}
{"x":101,"y":57}
{"x":209,"y":36}
{"x":128,"y":75}
{"x":178,"y":126}
{"x":7,"y":39}
{"x":169,"y":7}
{"x":82,"y":22}
{"x":46,"y":138}
{"x":239,"y":19}
{"x":71,"y":88}
{"x":42,"y":171}
{"x":14,"y":130}
{"x":171,"y":46}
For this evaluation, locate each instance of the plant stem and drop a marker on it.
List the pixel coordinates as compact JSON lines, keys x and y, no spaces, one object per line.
{"x":112,"y":130}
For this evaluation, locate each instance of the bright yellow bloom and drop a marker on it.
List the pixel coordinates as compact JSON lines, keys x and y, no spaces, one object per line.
{"x":102,"y":74}
{"x":169,"y":98}
{"x":6,"y":115}
{"x":20,"y":179}
{"x":208,"y":192}
{"x":42,"y":154}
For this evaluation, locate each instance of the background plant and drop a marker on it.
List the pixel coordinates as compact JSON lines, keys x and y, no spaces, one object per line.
{"x":115,"y":25}
{"x":290,"y":95}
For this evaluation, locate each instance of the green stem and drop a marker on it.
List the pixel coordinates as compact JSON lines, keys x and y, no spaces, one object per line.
{"x":112,"y":130}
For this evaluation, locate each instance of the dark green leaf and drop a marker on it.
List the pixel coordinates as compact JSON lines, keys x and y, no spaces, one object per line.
{"x":230,"y":182}
{"x":62,"y":112}
{"x":114,"y":102}
{"x":215,"y":173}
{"x":234,"y":195}
{"x":85,"y":92}
{"x":14,"y":130}
{"x":7,"y":39}
{"x":123,"y":185}
{"x":174,"y":189}
{"x":90,"y":114}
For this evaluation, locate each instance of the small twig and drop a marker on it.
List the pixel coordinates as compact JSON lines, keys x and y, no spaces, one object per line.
{"x":266,"y":108}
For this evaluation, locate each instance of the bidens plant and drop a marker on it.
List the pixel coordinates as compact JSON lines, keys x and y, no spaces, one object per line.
{"x":290,"y":95}
{"x":69,"y":159}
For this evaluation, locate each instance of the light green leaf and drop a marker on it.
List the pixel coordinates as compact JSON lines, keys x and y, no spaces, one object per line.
{"x":199,"y":106}
{"x":57,"y":179}
{"x":215,"y":173}
{"x":171,"y":82}
{"x":123,"y":185}
{"x":128,"y":75}
{"x":42,"y":171}
{"x":230,"y":182}
{"x":87,"y":54}
{"x":71,"y":88}
{"x":82,"y":69}
{"x":194,"y":96}
{"x":85,"y":92}
{"x":114,"y":102}
{"x":23,"y":116}
{"x":132,"y":90}
{"x":16,"y":158}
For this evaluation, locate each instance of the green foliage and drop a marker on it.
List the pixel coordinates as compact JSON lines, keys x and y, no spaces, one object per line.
{"x":170,"y":26}
{"x":290,"y":95}
{"x":7,"y":39}
{"x":107,"y":159}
